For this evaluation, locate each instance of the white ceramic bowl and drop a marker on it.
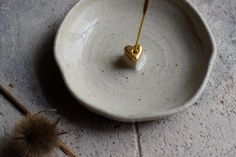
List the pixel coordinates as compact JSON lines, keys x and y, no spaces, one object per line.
{"x":178,"y":47}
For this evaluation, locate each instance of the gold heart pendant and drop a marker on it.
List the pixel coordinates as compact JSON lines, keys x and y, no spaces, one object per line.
{"x":132,"y":53}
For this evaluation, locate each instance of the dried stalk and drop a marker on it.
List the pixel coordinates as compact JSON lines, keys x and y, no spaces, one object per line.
{"x":21,"y":107}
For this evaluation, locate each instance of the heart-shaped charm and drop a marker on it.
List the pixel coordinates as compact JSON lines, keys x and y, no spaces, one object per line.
{"x":133,"y":53}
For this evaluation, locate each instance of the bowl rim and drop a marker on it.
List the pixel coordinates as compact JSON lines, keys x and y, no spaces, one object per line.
{"x":146,"y":116}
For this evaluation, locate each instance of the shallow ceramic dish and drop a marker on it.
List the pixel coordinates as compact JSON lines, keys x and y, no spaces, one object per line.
{"x":178,"y":47}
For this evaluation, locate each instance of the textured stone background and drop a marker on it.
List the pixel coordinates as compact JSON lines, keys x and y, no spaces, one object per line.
{"x":27,"y":29}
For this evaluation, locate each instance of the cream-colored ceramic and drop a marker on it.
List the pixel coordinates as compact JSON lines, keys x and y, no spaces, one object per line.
{"x":179,"y":52}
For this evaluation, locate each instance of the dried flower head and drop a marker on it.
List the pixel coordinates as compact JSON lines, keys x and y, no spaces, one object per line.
{"x":34,"y":136}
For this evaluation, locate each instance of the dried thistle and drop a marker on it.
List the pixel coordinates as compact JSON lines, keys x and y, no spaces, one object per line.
{"x":21,"y":142}
{"x":35,"y":136}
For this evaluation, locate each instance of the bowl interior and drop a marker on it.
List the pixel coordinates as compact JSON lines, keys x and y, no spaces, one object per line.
{"x":177,"y":50}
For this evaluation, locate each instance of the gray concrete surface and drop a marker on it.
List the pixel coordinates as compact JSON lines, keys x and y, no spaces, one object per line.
{"x":27,"y":29}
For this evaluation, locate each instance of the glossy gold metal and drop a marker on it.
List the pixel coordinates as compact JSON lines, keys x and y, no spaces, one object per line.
{"x":145,"y":8}
{"x":132,"y":53}
{"x":139,"y":32}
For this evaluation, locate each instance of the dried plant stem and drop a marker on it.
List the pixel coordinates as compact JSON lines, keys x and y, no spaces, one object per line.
{"x":17,"y":104}
{"x":67,"y":150}
{"x":14,"y":101}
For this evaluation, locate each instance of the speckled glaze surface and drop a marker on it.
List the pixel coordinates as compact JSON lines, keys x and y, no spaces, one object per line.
{"x":179,"y":52}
